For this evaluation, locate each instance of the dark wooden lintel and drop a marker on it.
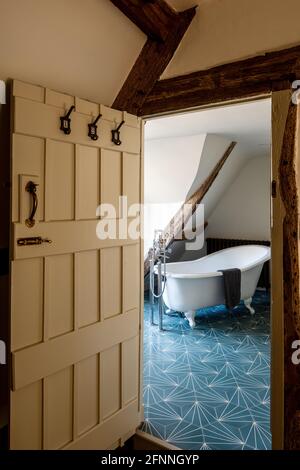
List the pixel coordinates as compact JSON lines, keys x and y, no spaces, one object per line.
{"x":243,"y":79}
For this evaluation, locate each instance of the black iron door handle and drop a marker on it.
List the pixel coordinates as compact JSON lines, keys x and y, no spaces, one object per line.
{"x":31,"y":189}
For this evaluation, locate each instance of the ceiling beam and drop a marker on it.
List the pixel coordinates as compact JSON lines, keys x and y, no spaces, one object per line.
{"x":154,"y":57}
{"x":238,"y":80}
{"x":153,"y":17}
{"x":177,"y":225}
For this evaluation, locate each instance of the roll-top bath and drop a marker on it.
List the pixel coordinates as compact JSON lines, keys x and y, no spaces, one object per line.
{"x":192,"y":285}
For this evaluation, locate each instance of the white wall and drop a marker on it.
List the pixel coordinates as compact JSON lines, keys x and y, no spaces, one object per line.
{"x":244,"y":210}
{"x":170,"y":168}
{"x":228,"y":30}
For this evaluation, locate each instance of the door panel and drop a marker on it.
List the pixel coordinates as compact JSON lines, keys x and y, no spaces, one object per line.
{"x":87,"y":382}
{"x":111,"y":173}
{"x":111,"y":282}
{"x":130,"y":368}
{"x":87,"y":107}
{"x":27,"y":302}
{"x":60,"y":172}
{"x":131,"y":258}
{"x":87,"y":281}
{"x":29,"y":91}
{"x":131,"y":171}
{"x":110,"y":370}
{"x":75,"y":302}
{"x":27,"y":412}
{"x":87,"y":181}
{"x":61,"y":100}
{"x":59,"y":294}
{"x":58,"y":413}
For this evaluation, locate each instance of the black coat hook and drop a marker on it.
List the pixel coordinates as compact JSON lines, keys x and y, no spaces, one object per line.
{"x":93,"y":128}
{"x":65,"y":122}
{"x":116,"y":134}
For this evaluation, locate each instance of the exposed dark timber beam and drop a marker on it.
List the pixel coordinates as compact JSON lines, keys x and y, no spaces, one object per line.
{"x":175,"y":228}
{"x":238,"y":80}
{"x":151,"y":63}
{"x":153,"y":17}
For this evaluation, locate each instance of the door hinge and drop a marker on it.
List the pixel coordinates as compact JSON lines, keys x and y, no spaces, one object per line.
{"x":274,"y":189}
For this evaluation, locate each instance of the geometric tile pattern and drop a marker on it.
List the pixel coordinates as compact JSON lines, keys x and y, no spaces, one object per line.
{"x":209,"y":388}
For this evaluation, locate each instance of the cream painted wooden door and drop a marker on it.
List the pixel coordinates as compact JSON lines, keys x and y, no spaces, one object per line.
{"x":75,"y":302}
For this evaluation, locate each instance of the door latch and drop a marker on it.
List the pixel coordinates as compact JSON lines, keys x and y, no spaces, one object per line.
{"x":32,"y":241}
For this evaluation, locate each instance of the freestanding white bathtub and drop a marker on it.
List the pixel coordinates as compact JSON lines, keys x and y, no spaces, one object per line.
{"x":192,"y":285}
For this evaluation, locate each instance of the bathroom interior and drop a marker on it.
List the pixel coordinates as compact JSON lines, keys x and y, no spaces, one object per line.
{"x":207,"y":304}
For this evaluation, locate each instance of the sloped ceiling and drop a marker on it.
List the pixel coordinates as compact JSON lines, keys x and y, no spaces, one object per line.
{"x":246,"y":123}
{"x":88,"y":47}
{"x":82,"y":47}
{"x":228,"y":30}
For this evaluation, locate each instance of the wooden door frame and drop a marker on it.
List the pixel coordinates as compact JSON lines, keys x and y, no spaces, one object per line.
{"x":285,"y":421}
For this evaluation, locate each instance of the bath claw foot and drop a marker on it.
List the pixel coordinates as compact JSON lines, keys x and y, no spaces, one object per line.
{"x":247,"y":303}
{"x":190,"y":316}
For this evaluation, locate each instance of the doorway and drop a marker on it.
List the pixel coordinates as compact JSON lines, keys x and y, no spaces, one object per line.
{"x":208,"y":386}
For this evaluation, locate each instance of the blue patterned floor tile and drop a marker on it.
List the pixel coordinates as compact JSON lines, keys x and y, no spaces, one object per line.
{"x":223,"y":436}
{"x":186,"y":435}
{"x":209,"y":388}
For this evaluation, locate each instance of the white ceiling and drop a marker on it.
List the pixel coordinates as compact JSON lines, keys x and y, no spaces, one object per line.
{"x":249,"y":124}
